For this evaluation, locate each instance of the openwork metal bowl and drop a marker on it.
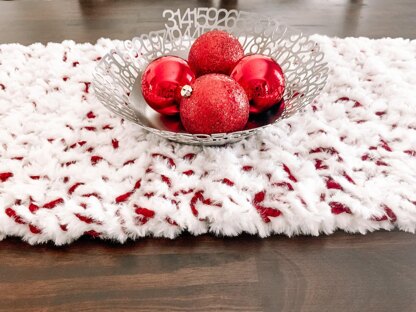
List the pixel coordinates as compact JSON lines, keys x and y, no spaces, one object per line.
{"x":117,"y":79}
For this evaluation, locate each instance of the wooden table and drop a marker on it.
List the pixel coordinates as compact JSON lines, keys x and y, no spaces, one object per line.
{"x":341,"y":272}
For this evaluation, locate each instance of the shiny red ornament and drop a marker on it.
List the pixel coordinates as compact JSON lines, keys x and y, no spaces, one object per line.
{"x":215,"y":51}
{"x":262,"y":79}
{"x":217,"y":104}
{"x":266,"y":118}
{"x":172,"y":123}
{"x":162,"y":81}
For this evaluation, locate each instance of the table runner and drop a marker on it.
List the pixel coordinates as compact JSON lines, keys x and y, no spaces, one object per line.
{"x":70,"y":168}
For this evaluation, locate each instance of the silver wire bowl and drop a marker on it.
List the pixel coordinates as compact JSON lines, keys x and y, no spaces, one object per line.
{"x":117,"y":78}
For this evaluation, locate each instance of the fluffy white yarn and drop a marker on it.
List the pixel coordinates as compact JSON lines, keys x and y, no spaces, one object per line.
{"x":68,"y":167}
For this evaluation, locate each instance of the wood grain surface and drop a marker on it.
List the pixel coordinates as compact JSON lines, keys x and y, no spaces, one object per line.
{"x":87,"y":20}
{"x":341,"y":272}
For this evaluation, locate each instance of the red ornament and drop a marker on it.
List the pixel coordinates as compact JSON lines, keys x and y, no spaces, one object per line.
{"x":215,"y":52}
{"x":217,"y":104}
{"x":266,"y":118}
{"x":262,"y":79}
{"x":162,"y":81}
{"x":172,"y":123}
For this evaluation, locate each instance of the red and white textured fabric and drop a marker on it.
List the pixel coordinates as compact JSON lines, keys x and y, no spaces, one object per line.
{"x":69,"y":167}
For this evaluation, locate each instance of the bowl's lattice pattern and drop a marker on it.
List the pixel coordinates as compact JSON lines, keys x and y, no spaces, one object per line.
{"x":300,"y":58}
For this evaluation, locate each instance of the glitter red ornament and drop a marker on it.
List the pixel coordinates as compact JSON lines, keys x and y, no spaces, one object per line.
{"x":217,"y":104}
{"x":162,"y":81}
{"x":262,"y":79}
{"x":215,"y":51}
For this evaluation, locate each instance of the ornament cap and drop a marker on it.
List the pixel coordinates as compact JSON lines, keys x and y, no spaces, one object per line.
{"x":186,"y":91}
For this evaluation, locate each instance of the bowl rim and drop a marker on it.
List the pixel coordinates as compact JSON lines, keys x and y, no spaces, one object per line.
{"x":244,"y":133}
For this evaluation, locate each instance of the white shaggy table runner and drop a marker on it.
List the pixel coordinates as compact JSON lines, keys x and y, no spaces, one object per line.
{"x":69,"y":167}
